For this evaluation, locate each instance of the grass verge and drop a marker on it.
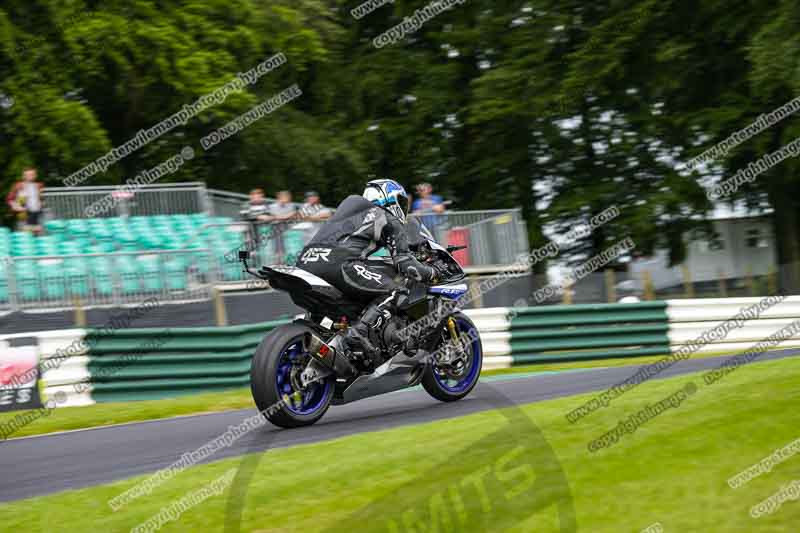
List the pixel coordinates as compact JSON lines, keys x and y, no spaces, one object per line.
{"x":72,"y":418}
{"x":490,"y":472}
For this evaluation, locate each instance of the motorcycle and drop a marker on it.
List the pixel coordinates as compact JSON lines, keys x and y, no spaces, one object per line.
{"x":300,"y":369}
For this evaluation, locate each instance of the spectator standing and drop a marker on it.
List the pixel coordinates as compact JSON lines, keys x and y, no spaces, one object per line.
{"x":313,"y":210}
{"x":256,"y":208}
{"x":312,"y":214}
{"x":25,"y":199}
{"x":427,"y":206}
{"x":280,"y":214}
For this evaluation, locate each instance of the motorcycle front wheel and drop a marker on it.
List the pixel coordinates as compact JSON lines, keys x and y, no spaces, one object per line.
{"x":451,"y":382}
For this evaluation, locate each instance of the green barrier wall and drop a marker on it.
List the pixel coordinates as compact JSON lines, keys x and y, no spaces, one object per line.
{"x":144,"y":364}
{"x":584,"y":332}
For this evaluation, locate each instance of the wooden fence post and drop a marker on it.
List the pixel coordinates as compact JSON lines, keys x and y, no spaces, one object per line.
{"x":80,"y":313}
{"x":688,"y":286}
{"x":611,"y":285}
{"x":219,"y":307}
{"x":748,"y":280}
{"x":567,"y":298}
{"x":772,"y":281}
{"x":649,"y":292}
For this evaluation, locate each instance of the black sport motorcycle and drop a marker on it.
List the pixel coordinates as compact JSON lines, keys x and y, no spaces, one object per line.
{"x":300,"y":369}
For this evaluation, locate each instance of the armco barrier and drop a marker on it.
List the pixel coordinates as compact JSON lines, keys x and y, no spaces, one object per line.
{"x":116,"y":368}
{"x":201,"y":359}
{"x":141,"y":364}
{"x":584,"y":332}
{"x":688,"y":319}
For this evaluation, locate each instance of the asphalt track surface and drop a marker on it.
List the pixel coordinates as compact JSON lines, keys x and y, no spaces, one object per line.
{"x":34,"y":466}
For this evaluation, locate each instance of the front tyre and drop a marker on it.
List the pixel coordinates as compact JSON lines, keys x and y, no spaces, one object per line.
{"x":274,"y":380}
{"x":452,"y":380}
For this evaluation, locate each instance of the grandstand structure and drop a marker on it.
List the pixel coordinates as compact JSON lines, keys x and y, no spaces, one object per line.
{"x":178,"y":242}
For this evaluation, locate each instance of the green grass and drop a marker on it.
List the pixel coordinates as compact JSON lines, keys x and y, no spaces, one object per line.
{"x":602,"y":363}
{"x":101,"y":414}
{"x":71,"y":418}
{"x":672,"y":470}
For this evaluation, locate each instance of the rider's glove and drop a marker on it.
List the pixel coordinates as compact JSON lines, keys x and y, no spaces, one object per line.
{"x":410,"y":267}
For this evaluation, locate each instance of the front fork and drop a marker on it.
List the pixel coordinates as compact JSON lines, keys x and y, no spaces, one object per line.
{"x":454,"y":351}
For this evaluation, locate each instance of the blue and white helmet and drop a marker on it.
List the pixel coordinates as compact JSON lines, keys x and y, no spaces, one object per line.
{"x":390,"y":195}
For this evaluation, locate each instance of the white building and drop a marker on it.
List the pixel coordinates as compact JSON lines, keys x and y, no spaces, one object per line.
{"x":744,"y":245}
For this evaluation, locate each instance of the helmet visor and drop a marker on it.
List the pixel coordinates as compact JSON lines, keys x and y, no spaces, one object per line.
{"x":402,"y":201}
{"x":374,"y":194}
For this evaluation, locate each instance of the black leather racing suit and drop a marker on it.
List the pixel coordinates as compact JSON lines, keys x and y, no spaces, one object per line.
{"x":338,"y":254}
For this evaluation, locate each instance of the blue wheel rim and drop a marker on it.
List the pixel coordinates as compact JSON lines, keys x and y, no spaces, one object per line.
{"x":306,"y":403}
{"x":460,"y":385}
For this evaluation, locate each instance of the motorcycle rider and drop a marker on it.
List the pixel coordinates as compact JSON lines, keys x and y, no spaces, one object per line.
{"x":338,"y":254}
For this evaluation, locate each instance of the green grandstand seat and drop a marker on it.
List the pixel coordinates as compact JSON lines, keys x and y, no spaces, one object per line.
{"x":77,"y":228}
{"x":95,"y":223}
{"x":102,"y":233}
{"x":19,"y":251}
{"x":47,"y":251}
{"x":76,"y":272}
{"x":151,"y":241}
{"x":128,"y":271}
{"x":129,"y":242}
{"x":172,"y":242}
{"x":231,"y":271}
{"x":69,"y":248}
{"x":3,"y":282}
{"x":19,"y":244}
{"x":55,"y":226}
{"x":187,"y":231}
{"x":201,"y":261}
{"x":101,"y":275}
{"x":175,"y":270}
{"x":150,"y":268}
{"x":47,"y":245}
{"x":101,"y":247}
{"x":116,"y":224}
{"x":293,"y":243}
{"x":26,"y":276}
{"x":52,"y":274}
{"x":47,"y":240}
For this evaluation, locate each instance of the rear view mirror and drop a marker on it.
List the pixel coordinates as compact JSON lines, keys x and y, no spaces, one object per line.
{"x":244,"y":255}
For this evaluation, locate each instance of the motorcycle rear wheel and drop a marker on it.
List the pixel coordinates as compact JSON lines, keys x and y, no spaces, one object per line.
{"x":274,"y":374}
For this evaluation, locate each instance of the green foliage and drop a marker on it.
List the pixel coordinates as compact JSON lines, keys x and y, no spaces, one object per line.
{"x":563,"y":108}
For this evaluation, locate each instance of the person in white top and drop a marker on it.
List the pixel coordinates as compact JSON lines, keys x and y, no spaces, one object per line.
{"x":25,"y":199}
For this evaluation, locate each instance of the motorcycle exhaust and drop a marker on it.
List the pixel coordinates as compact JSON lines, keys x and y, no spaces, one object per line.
{"x":327,"y":355}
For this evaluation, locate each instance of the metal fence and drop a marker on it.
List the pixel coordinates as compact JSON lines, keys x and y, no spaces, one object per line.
{"x":149,"y":200}
{"x":268,"y":243}
{"x":224,"y":203}
{"x":494,"y":240}
{"x":112,"y":279}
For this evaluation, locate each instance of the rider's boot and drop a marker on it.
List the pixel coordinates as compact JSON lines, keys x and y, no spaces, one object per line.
{"x":357,"y":335}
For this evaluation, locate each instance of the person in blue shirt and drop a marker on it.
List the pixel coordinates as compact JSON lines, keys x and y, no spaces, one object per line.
{"x":427,"y":205}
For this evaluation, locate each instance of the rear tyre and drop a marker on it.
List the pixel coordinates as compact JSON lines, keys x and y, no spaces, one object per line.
{"x":274,"y":374}
{"x":449,"y":384}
